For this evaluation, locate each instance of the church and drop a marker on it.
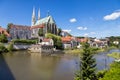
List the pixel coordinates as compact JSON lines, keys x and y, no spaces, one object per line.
{"x":47,"y":24}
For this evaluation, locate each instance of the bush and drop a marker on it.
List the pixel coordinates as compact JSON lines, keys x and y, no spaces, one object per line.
{"x":2,"y":48}
{"x":22,"y":41}
{"x":3,"y":38}
{"x":57,"y":40}
{"x":113,"y":73}
{"x":101,"y":73}
{"x":10,"y":47}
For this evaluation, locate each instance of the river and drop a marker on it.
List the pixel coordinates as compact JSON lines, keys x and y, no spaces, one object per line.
{"x":21,"y":65}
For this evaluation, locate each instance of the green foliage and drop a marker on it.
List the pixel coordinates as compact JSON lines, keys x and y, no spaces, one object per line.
{"x":56,"y":39}
{"x":113,"y":73}
{"x":100,"y":74}
{"x":87,"y":66}
{"x":3,"y":38}
{"x":40,"y":32}
{"x":2,"y":48}
{"x":114,"y":55}
{"x":8,"y":26}
{"x":59,"y":31}
{"x":23,"y":41}
{"x":10,"y":47}
{"x":112,"y":39}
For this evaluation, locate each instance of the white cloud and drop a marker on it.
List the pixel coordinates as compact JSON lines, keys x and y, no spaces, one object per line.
{"x":82,"y":28}
{"x":67,"y":30}
{"x":86,"y":34}
{"x":73,"y":20}
{"x":92,"y":33}
{"x":113,"y":16}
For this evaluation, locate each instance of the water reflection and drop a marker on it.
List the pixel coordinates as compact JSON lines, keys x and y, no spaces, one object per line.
{"x":5,"y":72}
{"x":22,"y":65}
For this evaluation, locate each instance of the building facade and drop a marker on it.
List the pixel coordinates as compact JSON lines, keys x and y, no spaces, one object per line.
{"x":4,"y":31}
{"x":48,"y":24}
{"x":20,"y":32}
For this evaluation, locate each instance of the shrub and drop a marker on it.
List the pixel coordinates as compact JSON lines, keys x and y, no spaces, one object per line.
{"x":2,"y":48}
{"x":23,"y":41}
{"x":10,"y":47}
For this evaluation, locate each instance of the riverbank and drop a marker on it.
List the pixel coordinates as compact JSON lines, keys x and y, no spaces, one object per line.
{"x":113,"y":73}
{"x":115,"y":55}
{"x":78,"y":51}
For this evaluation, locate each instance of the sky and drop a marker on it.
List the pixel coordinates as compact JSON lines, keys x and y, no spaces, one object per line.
{"x":93,"y":18}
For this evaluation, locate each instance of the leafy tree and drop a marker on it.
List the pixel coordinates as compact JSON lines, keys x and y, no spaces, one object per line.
{"x":3,"y":38}
{"x":87,"y":65}
{"x":56,"y":39}
{"x":59,"y":31}
{"x":40,"y":32}
{"x":8,"y":26}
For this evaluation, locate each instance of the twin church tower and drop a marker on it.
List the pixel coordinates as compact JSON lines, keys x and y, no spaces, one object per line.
{"x":34,"y":17}
{"x":48,"y":22}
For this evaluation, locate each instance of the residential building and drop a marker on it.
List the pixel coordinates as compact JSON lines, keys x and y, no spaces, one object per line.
{"x":4,"y":31}
{"x":69,"y":42}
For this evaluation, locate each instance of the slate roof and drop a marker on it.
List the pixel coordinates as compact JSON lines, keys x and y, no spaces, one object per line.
{"x":45,"y":20}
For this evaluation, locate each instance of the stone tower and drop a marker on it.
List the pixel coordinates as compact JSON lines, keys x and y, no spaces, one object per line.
{"x":33,"y":18}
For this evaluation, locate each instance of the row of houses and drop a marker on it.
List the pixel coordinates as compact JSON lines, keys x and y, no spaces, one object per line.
{"x":68,"y":42}
{"x":71,"y":42}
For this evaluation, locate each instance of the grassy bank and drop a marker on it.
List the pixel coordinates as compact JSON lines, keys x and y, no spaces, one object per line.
{"x":74,"y":51}
{"x":78,"y":51}
{"x":113,"y":73}
{"x":114,"y":55}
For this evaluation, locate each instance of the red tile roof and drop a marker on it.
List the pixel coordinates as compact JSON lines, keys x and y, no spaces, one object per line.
{"x":46,"y":40}
{"x":20,"y":27}
{"x":38,"y":26}
{"x":81,"y":40}
{"x":66,"y":39}
{"x":3,"y":31}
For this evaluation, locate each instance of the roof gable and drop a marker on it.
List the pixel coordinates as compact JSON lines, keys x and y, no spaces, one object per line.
{"x":48,"y":19}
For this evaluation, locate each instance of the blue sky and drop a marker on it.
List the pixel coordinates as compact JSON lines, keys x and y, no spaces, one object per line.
{"x":96,"y":18}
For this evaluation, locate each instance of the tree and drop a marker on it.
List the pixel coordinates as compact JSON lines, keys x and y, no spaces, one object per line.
{"x":8,"y":26}
{"x":40,"y":32}
{"x":56,"y":39}
{"x":87,"y":65}
{"x":59,"y":31}
{"x":3,"y":38}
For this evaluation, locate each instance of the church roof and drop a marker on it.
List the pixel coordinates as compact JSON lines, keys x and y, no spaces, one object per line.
{"x":38,"y":26}
{"x":48,"y":19}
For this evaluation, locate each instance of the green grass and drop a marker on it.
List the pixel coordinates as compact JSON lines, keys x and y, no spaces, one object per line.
{"x":113,"y":73}
{"x":74,"y":51}
{"x":114,"y":55}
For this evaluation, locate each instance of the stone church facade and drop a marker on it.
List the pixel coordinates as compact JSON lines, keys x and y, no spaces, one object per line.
{"x":27,"y":32}
{"x":20,"y":32}
{"x":48,"y":24}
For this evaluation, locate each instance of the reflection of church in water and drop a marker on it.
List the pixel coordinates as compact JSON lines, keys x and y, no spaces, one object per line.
{"x":47,"y":24}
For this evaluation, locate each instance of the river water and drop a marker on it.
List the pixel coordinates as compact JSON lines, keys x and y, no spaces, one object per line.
{"x":21,"y":65}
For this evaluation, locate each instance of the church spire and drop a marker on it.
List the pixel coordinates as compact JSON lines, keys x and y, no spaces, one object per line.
{"x":33,"y":17}
{"x":39,"y":14}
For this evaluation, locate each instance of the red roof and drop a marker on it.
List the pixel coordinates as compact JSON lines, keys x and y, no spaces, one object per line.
{"x":66,"y":39}
{"x":20,"y":27}
{"x":81,"y":40}
{"x":46,"y":40}
{"x":38,"y":26}
{"x":3,"y":31}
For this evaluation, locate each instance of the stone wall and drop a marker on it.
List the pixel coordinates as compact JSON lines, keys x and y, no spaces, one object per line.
{"x":19,"y":47}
